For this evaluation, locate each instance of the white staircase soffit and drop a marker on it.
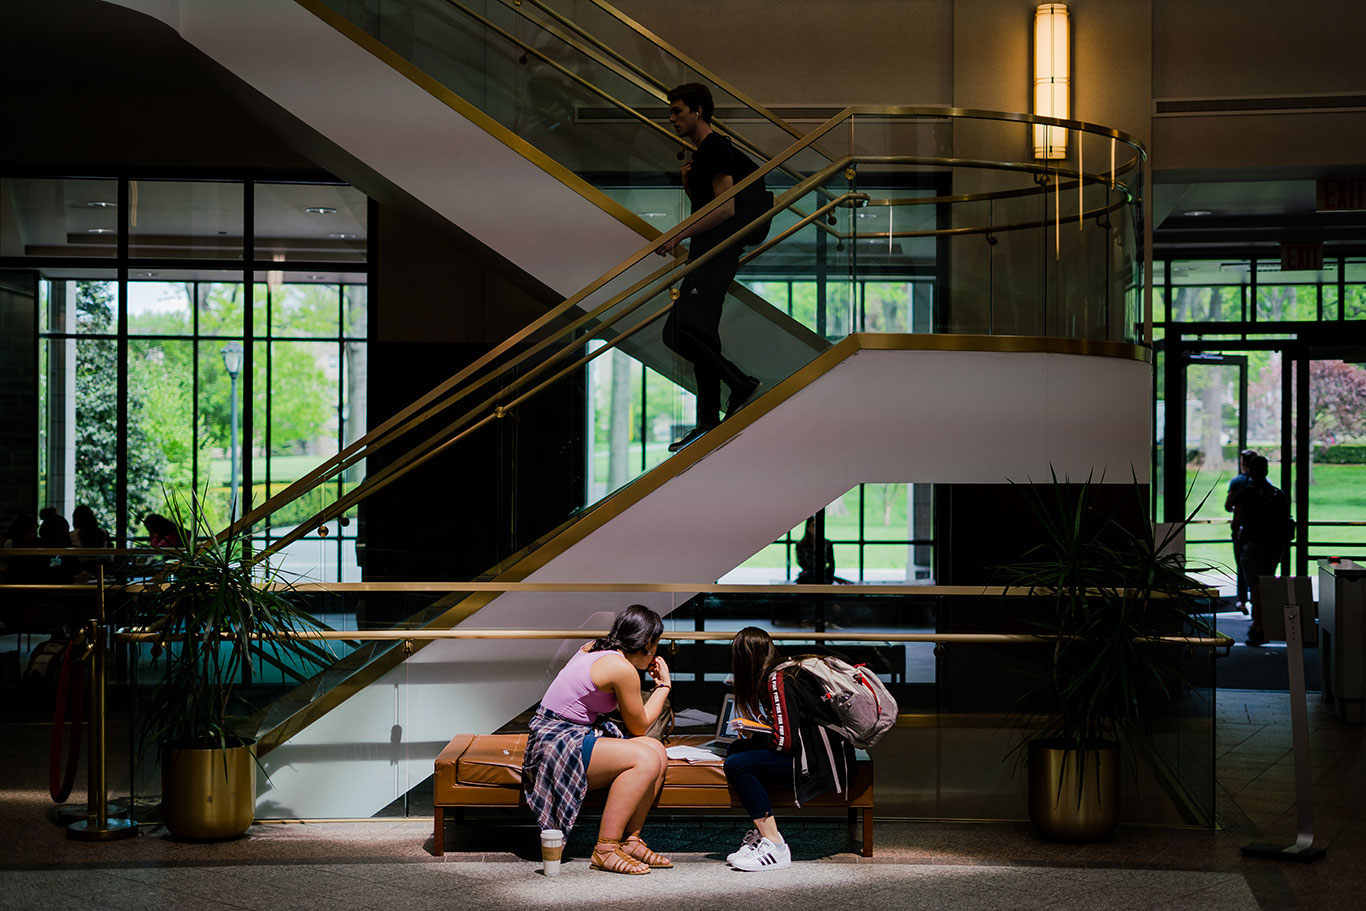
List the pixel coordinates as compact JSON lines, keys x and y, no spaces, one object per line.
{"x":878,"y":416}
{"x":407,"y":134}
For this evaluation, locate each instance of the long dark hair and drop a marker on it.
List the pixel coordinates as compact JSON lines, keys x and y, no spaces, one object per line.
{"x":634,"y":630}
{"x":752,"y":659}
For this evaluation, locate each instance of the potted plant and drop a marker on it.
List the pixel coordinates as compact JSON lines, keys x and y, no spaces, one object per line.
{"x":1109,"y":586}
{"x":211,"y":609}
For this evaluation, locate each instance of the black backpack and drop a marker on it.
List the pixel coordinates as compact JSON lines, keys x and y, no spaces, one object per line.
{"x":1270,"y":520}
{"x":754,"y":201}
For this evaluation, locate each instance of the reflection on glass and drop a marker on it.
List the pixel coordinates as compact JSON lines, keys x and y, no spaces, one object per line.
{"x":58,"y":217}
{"x":310,"y":223}
{"x":176,"y":219}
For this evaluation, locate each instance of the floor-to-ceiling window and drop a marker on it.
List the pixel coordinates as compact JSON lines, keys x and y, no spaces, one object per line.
{"x":202,"y":344}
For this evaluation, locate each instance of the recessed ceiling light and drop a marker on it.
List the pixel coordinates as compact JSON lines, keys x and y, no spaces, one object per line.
{"x":320,"y":210}
{"x":1196,"y":213}
{"x":652,"y":214}
{"x":148,"y":274}
{"x":101,"y":204}
{"x":342,"y":236}
{"x":100,"y":231}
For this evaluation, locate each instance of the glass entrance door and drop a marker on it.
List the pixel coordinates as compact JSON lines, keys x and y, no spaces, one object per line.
{"x":1215,"y":431}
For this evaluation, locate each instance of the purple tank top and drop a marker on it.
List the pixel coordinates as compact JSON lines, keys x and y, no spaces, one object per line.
{"x":573,"y":696}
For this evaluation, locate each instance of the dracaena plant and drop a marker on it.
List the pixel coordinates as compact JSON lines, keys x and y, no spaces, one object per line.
{"x":1111,"y":587}
{"x":211,"y":610}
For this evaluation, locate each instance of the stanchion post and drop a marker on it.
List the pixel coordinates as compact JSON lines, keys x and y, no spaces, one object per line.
{"x":1303,"y":849}
{"x":98,"y":826}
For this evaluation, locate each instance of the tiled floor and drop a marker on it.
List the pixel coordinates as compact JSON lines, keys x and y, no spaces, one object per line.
{"x":918,"y":865}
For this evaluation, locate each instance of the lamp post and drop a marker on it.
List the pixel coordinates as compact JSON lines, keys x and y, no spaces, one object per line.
{"x":232,"y":360}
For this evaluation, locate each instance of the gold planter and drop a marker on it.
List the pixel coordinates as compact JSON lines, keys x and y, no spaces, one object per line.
{"x":1056,"y":807}
{"x":208,"y":793}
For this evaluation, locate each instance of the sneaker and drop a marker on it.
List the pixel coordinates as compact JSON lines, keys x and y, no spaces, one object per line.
{"x":687,"y":438}
{"x":741,"y":394}
{"x":752,"y":838}
{"x":764,"y":856}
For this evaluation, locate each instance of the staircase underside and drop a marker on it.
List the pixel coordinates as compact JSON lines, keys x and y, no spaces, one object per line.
{"x":895,"y":409}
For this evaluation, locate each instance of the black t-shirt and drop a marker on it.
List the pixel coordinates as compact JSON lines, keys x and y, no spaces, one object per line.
{"x":713,"y":157}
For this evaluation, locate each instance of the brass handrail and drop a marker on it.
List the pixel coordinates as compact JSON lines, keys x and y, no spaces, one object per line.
{"x":403,"y":635}
{"x":710,"y":588}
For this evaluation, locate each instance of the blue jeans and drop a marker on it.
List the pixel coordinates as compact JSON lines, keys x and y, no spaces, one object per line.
{"x":751,"y":768}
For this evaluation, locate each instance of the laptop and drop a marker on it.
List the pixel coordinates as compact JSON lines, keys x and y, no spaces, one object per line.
{"x":723,"y":738}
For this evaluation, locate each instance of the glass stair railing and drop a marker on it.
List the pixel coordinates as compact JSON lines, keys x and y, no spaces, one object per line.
{"x":589,"y":95}
{"x":908,"y":222}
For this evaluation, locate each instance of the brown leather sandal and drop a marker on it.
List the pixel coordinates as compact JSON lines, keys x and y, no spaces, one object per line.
{"x":616,"y":860}
{"x":635,"y":847}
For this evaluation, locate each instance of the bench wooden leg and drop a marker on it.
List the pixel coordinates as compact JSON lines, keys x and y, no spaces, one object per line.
{"x":439,"y":831}
{"x":867,"y":831}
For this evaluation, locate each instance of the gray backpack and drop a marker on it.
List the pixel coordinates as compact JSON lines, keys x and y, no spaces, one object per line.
{"x":865,"y":709}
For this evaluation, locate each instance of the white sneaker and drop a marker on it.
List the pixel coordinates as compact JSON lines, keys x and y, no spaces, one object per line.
{"x":752,"y":838}
{"x":764,"y":856}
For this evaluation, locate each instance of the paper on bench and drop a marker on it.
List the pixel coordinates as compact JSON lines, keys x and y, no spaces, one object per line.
{"x":691,"y":754}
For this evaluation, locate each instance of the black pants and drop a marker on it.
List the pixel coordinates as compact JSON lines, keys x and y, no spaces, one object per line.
{"x":1256,"y":559}
{"x":692,"y":330}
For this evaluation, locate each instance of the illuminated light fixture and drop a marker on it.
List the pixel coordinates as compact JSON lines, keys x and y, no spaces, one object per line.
{"x":101,"y":204}
{"x":1197,"y":213}
{"x":320,"y":210}
{"x":1052,"y":77}
{"x":100,"y":231}
{"x":342,"y":236}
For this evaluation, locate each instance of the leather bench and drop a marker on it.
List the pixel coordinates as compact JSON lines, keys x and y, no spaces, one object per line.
{"x":485,"y":770}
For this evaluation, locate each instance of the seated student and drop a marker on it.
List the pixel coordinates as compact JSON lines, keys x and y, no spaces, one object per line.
{"x":784,"y":699}
{"x":56,"y":533}
{"x":162,"y":533}
{"x":572,"y":748}
{"x":86,"y":532}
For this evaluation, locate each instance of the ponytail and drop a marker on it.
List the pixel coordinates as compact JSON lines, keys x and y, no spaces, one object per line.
{"x":635,"y":629}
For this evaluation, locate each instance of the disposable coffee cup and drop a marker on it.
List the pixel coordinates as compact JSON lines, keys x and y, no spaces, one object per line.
{"x":552,"y":846}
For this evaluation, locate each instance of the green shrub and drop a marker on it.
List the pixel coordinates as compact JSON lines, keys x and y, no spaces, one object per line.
{"x":1343,"y":454}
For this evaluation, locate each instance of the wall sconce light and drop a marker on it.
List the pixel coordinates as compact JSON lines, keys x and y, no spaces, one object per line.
{"x":1052,"y":77}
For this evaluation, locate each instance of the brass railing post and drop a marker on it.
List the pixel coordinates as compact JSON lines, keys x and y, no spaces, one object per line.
{"x":98,"y":826}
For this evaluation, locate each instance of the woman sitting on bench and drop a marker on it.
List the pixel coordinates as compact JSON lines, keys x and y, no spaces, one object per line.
{"x":778,"y":693}
{"x":572,"y":748}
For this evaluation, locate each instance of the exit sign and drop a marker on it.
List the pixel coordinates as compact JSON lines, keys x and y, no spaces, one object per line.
{"x":1301,"y":257}
{"x":1340,"y":194}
